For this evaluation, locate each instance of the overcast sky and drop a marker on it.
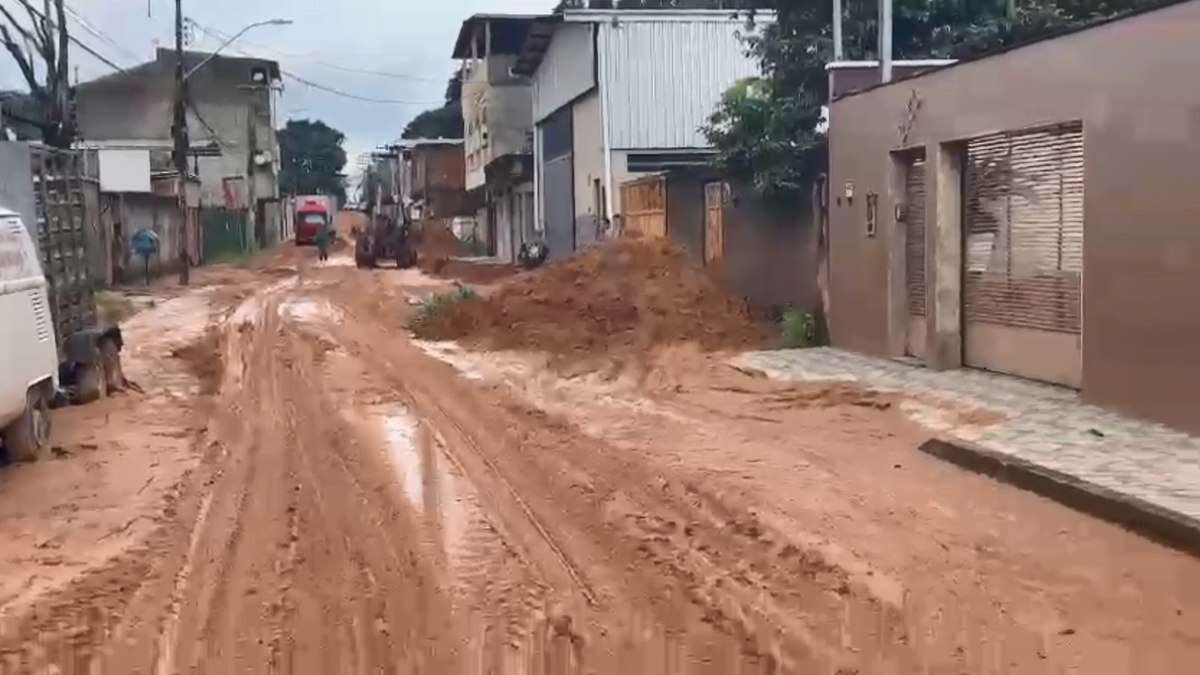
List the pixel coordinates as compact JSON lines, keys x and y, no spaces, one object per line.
{"x":410,"y":40}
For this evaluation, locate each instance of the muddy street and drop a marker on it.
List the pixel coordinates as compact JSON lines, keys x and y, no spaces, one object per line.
{"x":305,"y":488}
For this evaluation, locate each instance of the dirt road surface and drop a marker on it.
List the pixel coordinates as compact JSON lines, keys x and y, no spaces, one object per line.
{"x":303,"y":488}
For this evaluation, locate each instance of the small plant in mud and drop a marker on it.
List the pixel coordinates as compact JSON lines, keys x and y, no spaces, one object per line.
{"x":438,"y":302}
{"x":798,"y":329}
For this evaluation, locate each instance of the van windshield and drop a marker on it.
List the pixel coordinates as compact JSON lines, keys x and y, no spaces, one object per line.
{"x":313,"y":219}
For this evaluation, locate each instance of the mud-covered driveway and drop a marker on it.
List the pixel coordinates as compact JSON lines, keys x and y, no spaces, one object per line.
{"x":304,"y":488}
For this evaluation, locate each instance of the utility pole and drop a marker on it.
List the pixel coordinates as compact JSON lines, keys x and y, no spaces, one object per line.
{"x":838,"y":54}
{"x":180,"y":136}
{"x":885,"y":40}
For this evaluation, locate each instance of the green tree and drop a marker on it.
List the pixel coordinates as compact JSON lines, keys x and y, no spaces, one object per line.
{"x":443,"y":122}
{"x":768,"y":130}
{"x":313,"y":158}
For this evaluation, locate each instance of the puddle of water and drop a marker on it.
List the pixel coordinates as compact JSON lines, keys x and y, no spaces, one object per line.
{"x":446,"y":501}
{"x":413,"y":278}
{"x":310,"y":310}
{"x":401,"y":431}
{"x":250,"y":310}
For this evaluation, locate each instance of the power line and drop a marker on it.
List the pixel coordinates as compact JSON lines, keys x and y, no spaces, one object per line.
{"x":86,"y":25}
{"x":380,"y":73}
{"x":336,"y":66}
{"x":356,"y":97}
{"x":214,"y":33}
{"x":77,"y":41}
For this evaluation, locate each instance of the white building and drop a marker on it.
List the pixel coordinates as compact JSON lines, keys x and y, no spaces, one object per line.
{"x":617,"y":94}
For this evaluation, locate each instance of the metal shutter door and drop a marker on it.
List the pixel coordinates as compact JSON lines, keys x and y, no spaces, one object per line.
{"x":914,"y":225}
{"x":559,"y":205}
{"x":1023,"y":253}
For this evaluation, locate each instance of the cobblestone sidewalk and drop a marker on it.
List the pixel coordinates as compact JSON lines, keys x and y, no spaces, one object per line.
{"x":1040,"y":424}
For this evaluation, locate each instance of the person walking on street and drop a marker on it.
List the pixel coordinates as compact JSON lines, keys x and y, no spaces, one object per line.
{"x":323,"y":237}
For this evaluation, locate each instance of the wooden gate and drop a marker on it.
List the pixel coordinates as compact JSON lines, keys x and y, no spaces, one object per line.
{"x":644,"y":206}
{"x":714,"y":221}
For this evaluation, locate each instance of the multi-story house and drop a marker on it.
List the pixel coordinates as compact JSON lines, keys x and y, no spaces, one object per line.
{"x":498,"y":124}
{"x":231,"y":130}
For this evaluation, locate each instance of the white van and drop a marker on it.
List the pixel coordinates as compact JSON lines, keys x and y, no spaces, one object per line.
{"x":28,"y":354}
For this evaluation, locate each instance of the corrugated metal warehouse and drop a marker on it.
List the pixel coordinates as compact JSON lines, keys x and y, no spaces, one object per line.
{"x":618,"y":94}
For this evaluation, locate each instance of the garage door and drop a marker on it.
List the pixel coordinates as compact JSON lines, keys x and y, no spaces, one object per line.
{"x":560,"y":207}
{"x":914,"y":254}
{"x":1023,"y":258}
{"x":558,"y":183}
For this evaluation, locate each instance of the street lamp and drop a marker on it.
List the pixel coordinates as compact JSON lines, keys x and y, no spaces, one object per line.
{"x":213,"y":55}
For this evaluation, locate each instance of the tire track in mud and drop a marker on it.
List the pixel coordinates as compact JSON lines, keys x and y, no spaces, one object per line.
{"x":619,"y":613}
{"x":753,"y":598}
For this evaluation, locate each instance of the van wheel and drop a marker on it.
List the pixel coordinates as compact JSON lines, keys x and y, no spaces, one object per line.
{"x":28,"y":438}
{"x":93,"y":384}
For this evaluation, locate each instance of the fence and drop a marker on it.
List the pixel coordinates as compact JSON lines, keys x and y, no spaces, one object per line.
{"x":644,"y":206}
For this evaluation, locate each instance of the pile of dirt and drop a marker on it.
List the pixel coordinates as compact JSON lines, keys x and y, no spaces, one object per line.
{"x":203,"y":359}
{"x":436,"y":244}
{"x":440,"y":253}
{"x":475,"y":271}
{"x":617,"y":298}
{"x":350,"y":223}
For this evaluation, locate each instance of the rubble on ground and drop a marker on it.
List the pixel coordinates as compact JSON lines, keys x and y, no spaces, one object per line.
{"x":436,"y":244}
{"x":441,"y":253}
{"x":621,"y":296}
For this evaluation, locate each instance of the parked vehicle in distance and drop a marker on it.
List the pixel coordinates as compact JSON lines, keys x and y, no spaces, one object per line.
{"x":28,"y":351}
{"x":312,"y":213}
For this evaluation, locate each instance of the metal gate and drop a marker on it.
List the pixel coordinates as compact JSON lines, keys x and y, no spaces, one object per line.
{"x":224,"y":233}
{"x":914,"y":254}
{"x":560,"y":207}
{"x":1023,"y":258}
{"x":558,"y":183}
{"x":62,"y":239}
{"x":714,"y":221}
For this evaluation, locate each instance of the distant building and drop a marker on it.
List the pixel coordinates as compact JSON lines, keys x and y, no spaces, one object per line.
{"x":231,"y":129}
{"x":432,"y":178}
{"x":617,"y":94}
{"x":498,"y":124}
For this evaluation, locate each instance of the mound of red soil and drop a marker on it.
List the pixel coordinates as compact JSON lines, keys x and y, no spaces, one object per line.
{"x":475,"y":272}
{"x":436,"y":244}
{"x":617,"y":297}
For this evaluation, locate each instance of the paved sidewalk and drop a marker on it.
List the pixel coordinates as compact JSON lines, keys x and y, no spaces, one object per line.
{"x":1039,"y":424}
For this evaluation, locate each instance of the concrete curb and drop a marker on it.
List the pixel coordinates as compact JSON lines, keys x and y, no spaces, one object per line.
{"x":1153,"y":522}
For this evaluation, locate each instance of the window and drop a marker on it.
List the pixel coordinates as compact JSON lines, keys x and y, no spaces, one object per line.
{"x":313,"y":219}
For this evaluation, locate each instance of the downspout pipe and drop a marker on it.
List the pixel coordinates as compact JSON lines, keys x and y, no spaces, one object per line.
{"x":601,"y":73}
{"x":885,"y":40}
{"x":838,"y":52}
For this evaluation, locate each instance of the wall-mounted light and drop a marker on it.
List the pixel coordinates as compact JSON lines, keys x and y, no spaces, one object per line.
{"x":872,"y":213}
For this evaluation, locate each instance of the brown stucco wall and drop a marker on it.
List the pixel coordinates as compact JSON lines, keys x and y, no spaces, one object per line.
{"x":1142,"y":239}
{"x":770,"y":251}
{"x":685,"y":210}
{"x":769,"y":256}
{"x":439,"y":176}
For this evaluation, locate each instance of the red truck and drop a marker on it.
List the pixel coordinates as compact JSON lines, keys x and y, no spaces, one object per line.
{"x":312,"y":213}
